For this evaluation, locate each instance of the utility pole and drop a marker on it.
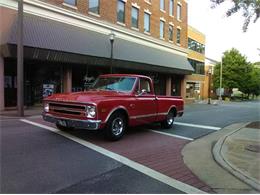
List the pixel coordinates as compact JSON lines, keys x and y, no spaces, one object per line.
{"x":209,"y":87}
{"x":20,"y":68}
{"x":220,"y":80}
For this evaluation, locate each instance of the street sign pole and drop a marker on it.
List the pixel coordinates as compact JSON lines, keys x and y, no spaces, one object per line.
{"x":20,"y":68}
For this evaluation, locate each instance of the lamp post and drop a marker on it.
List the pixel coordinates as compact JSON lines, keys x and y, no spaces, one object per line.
{"x":111,"y":38}
{"x":20,"y":65}
{"x":209,"y":85}
{"x":220,"y":80}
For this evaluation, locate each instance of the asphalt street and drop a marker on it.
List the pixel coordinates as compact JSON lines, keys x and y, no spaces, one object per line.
{"x":34,"y":160}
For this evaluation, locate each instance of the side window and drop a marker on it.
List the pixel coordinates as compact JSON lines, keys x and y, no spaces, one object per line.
{"x":144,"y":85}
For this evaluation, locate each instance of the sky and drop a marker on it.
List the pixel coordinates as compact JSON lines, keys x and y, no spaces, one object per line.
{"x":223,"y":33}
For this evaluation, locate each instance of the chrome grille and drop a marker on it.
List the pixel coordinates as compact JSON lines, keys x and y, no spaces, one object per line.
{"x":68,"y":109}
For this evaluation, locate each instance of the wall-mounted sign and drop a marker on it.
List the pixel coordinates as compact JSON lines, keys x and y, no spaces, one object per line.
{"x":48,"y":89}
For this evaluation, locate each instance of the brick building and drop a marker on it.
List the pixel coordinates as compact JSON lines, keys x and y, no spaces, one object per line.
{"x":68,"y":43}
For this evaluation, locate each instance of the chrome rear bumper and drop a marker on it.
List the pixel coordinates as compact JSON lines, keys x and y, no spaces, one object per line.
{"x":76,"y":123}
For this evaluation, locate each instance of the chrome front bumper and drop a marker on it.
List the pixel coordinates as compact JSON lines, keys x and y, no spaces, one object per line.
{"x":76,"y":123}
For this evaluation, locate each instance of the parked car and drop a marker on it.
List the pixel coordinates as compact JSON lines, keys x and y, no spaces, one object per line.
{"x":114,"y":102}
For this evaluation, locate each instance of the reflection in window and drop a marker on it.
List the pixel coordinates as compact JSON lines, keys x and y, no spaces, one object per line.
{"x":196,"y":46}
{"x":162,"y":29}
{"x":170,"y":33}
{"x":162,"y":4}
{"x":70,"y":2}
{"x":135,"y":12}
{"x":94,"y":6}
{"x":178,"y":12}
{"x":171,"y":7}
{"x":199,"y":67}
{"x":178,"y":38}
{"x":146,"y":22}
{"x":121,"y":11}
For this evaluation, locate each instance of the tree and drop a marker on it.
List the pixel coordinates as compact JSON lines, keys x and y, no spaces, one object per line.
{"x":249,"y":8}
{"x":235,"y":72}
{"x":254,"y":83}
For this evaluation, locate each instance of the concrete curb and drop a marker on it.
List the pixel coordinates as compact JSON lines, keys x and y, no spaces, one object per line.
{"x":220,"y":158}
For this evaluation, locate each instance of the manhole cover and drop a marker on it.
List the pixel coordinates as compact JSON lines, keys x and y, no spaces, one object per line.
{"x":253,"y":148}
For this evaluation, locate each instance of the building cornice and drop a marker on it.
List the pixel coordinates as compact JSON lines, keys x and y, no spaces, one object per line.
{"x":46,"y":10}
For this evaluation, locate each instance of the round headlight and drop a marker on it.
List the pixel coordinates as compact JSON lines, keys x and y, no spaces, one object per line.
{"x":91,"y":111}
{"x":46,"y":107}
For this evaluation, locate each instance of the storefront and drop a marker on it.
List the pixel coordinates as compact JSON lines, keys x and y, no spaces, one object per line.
{"x":61,"y":57}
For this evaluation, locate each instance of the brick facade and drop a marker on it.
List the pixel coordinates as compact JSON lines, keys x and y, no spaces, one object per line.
{"x":108,"y":13}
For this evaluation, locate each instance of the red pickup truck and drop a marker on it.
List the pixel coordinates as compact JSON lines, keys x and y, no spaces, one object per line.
{"x":114,"y":102}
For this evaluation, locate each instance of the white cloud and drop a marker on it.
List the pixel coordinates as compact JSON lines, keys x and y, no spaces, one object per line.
{"x":223,"y":33}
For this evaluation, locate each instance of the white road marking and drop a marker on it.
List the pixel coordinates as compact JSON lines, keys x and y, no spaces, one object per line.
{"x":139,"y":167}
{"x":172,"y":135}
{"x":198,"y":126}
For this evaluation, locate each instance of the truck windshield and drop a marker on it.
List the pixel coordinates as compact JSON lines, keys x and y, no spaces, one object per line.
{"x":123,"y":84}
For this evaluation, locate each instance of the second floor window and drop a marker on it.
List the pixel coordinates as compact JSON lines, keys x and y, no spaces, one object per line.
{"x":70,"y":2}
{"x":121,"y":11}
{"x":170,"y":33}
{"x":178,"y":38}
{"x":171,"y":7}
{"x":162,"y":4}
{"x":135,"y":12}
{"x":147,"y":22}
{"x":178,"y":12}
{"x":93,"y":6}
{"x":162,"y":29}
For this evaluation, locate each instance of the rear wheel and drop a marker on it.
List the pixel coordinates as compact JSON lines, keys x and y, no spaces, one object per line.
{"x":168,"y":122}
{"x":116,"y":126}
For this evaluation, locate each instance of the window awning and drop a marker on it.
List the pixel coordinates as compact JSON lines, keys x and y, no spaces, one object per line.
{"x":52,"y":35}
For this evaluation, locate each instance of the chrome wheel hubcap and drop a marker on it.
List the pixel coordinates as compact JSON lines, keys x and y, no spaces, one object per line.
{"x":170,"y":118}
{"x":117,"y":126}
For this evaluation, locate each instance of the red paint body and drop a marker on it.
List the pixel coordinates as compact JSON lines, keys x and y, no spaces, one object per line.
{"x":140,"y":109}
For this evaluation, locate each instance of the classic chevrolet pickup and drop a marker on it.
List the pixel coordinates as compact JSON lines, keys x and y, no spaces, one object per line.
{"x":114,"y":102}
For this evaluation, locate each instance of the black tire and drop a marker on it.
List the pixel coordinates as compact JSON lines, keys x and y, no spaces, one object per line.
{"x":63,"y":128}
{"x":116,"y":126}
{"x":168,"y":122}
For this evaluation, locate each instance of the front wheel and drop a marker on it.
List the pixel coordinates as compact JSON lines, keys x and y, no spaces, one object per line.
{"x":116,"y":126}
{"x":168,"y":122}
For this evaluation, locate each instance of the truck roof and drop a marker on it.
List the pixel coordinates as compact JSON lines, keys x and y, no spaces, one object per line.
{"x":124,"y":75}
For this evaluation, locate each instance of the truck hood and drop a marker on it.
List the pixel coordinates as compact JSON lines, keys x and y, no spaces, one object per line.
{"x":86,"y":97}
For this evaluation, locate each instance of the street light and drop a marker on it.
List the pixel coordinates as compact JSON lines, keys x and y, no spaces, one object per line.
{"x":111,"y":38}
{"x":209,"y":85}
{"x":20,"y":66}
{"x":220,"y":80}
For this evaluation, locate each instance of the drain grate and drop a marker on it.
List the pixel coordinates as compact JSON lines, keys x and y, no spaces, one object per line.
{"x":253,"y":148}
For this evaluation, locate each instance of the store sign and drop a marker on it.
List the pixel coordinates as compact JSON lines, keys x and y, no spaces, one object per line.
{"x":48,"y":89}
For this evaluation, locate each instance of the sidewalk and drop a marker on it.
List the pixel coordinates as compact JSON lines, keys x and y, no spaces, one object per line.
{"x":31,"y":111}
{"x":237,"y":152}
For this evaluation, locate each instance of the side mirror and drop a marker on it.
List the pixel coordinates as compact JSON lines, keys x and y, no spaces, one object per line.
{"x":143,"y":91}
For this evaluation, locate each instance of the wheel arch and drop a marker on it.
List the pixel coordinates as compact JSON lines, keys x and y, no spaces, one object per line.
{"x":120,"y":109}
{"x":173,"y":109}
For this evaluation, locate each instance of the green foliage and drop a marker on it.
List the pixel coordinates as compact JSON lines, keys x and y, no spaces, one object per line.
{"x":237,"y":73}
{"x":249,"y":8}
{"x":254,"y":82}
